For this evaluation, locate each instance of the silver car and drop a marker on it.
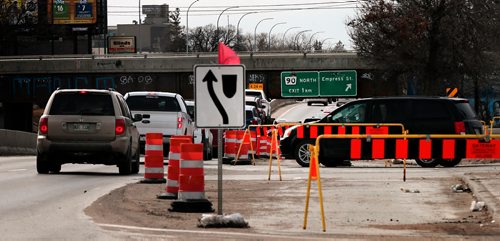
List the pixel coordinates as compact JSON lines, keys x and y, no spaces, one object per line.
{"x":87,"y":126}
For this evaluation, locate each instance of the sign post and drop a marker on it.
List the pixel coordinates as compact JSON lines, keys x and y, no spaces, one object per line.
{"x":219,"y":104}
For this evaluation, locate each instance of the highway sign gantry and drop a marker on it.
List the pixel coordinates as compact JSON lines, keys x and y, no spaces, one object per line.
{"x":335,"y":83}
{"x":219,"y":96}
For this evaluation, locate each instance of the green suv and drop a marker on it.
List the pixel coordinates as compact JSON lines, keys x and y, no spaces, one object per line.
{"x":87,"y":126}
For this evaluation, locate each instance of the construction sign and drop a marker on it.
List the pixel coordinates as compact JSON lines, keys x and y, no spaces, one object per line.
{"x":452,"y":92}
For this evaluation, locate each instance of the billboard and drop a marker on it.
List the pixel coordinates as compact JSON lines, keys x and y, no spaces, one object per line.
{"x":121,"y":44}
{"x":72,"y":11}
{"x":18,"y":12}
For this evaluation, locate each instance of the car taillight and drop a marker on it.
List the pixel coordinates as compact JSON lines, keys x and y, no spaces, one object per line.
{"x":119,"y":126}
{"x":459,"y":127}
{"x":44,"y":125}
{"x":179,"y":122}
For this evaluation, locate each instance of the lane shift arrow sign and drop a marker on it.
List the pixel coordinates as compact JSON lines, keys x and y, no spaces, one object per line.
{"x":349,"y":86}
{"x":210,"y":78}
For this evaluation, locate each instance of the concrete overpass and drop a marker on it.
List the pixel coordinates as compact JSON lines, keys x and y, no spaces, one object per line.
{"x":27,"y":81}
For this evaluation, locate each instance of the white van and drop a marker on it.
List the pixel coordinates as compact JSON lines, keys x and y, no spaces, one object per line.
{"x":163,"y":112}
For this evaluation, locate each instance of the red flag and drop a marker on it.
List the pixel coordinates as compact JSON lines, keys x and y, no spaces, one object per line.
{"x":227,"y":55}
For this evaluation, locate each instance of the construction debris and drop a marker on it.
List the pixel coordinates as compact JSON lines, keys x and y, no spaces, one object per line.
{"x":234,"y":220}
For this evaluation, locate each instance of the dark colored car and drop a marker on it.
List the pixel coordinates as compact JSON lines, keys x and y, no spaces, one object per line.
{"x":419,"y":115}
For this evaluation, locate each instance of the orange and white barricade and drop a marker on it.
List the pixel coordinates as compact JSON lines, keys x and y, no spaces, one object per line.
{"x":172,"y":187}
{"x":191,"y":196}
{"x":153,"y":161}
{"x":230,"y":144}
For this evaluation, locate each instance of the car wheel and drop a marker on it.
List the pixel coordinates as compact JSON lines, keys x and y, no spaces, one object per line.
{"x":449,"y":162}
{"x":137,"y":162}
{"x":427,"y":162}
{"x":125,"y":164}
{"x":42,"y":165}
{"x":55,"y":167}
{"x":302,"y":153}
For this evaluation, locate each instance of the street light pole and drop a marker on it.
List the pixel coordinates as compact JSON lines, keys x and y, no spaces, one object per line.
{"x":217,"y":29}
{"x":312,"y":35}
{"x":297,"y":36}
{"x":287,"y":32}
{"x":255,"y":32}
{"x":238,"y":27}
{"x":187,"y":26}
{"x":139,"y":37}
{"x":269,"y":46}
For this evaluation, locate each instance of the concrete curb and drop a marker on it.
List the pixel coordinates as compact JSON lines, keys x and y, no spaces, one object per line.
{"x":17,"y":143}
{"x":483,"y":194}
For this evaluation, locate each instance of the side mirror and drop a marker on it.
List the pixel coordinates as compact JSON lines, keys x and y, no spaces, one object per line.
{"x":137,"y":117}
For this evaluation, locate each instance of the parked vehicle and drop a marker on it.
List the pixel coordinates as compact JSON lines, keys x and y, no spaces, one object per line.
{"x":163,"y":112}
{"x":419,"y":115}
{"x":201,"y":135}
{"x":252,"y":116}
{"x":265,"y":102}
{"x":257,"y":103}
{"x":87,"y":126}
{"x":323,"y":101}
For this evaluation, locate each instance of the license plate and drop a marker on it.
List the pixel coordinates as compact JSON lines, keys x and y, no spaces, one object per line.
{"x":81,"y":126}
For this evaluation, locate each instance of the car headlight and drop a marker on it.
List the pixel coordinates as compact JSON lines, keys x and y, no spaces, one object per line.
{"x":287,"y":132}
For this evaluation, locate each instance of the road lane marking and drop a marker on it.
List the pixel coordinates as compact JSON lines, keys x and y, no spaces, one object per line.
{"x":17,"y":170}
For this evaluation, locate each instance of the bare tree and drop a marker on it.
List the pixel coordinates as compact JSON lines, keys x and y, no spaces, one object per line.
{"x":435,"y":42}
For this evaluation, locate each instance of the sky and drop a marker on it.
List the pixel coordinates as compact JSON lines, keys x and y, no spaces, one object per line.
{"x":325,"y":19}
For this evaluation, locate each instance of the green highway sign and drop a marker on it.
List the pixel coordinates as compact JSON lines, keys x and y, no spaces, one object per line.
{"x":319,"y":84}
{"x":299,"y":84}
{"x":338,"y":83}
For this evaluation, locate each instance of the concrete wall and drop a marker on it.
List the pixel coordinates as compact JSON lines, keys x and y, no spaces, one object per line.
{"x":17,"y":143}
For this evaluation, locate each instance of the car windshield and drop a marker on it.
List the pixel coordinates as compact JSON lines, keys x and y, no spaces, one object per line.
{"x":253,"y":93}
{"x":82,"y":103}
{"x":153,"y":103}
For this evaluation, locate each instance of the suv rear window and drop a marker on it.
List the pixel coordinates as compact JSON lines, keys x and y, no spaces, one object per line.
{"x":153,"y":103}
{"x":430,"y":110}
{"x":77,"y":103}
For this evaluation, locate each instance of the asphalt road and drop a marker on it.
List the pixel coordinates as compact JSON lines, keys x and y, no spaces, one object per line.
{"x":50,"y":207}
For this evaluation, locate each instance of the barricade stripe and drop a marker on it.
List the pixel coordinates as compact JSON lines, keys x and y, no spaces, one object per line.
{"x":300,"y":132}
{"x":402,"y":149}
{"x":341,"y":130}
{"x":154,"y":148}
{"x":327,"y":130}
{"x":191,"y":164}
{"x":153,"y":170}
{"x":425,"y":149}
{"x":313,"y":130}
{"x":172,"y":183}
{"x":378,"y":146}
{"x":448,"y":149}
{"x":191,"y":195}
{"x":355,"y":149}
{"x":174,"y":156}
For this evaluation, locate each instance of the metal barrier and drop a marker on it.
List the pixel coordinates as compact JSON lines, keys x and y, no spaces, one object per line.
{"x":485,"y":145}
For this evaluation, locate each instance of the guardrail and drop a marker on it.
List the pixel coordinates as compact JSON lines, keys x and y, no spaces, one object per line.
{"x":17,"y":143}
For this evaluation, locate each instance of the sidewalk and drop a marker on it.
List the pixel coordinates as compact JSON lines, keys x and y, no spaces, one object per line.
{"x":486,"y":187}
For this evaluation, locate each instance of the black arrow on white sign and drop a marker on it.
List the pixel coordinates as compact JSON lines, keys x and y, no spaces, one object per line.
{"x":210,"y":78}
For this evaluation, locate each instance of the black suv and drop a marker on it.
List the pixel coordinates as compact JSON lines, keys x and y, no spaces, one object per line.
{"x":419,"y":115}
{"x":87,"y":126}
